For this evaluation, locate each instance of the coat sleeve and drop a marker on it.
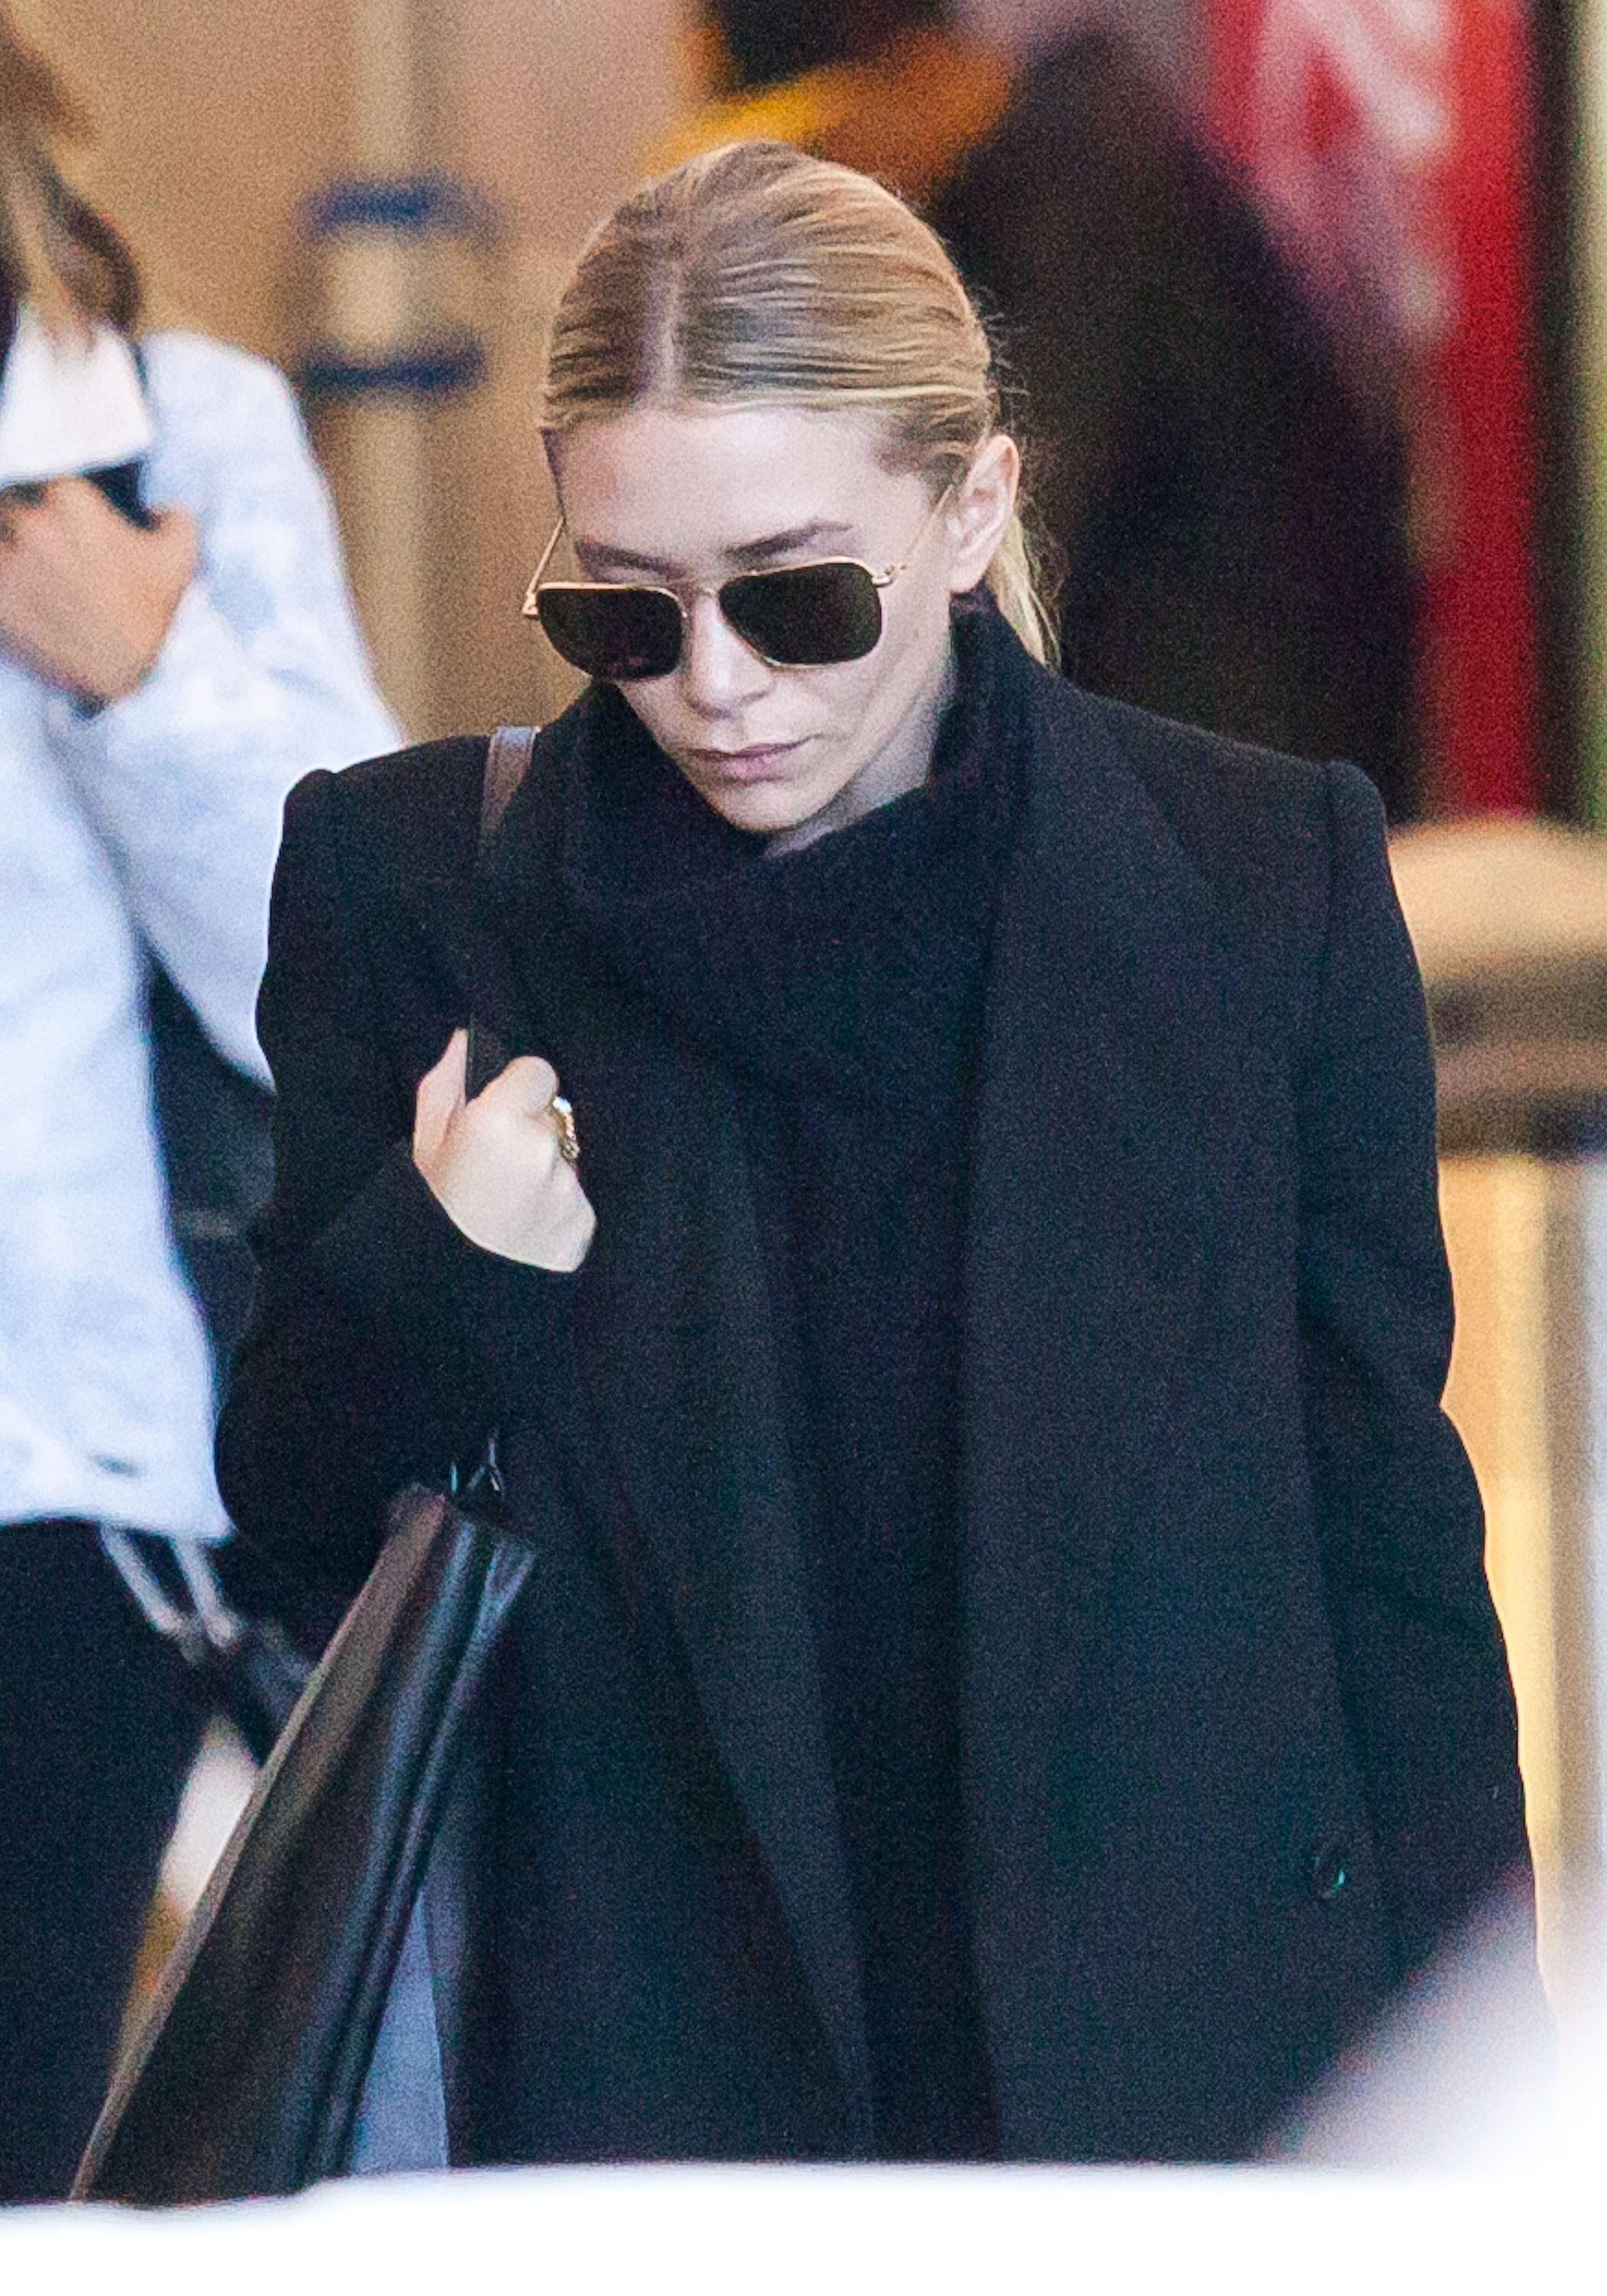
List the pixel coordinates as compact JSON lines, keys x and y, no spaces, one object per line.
{"x":263,"y":675}
{"x":1422,"y":1667}
{"x":383,"y":1346}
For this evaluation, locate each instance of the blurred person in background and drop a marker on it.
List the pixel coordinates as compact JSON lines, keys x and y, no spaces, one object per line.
{"x":1227,"y":500}
{"x":176,"y":647}
{"x":1008,"y":1669}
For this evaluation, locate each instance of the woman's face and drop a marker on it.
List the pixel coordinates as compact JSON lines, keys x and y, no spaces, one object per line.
{"x":689,"y":497}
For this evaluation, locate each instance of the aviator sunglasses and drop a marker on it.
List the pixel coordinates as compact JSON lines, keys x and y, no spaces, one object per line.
{"x":793,"y":617}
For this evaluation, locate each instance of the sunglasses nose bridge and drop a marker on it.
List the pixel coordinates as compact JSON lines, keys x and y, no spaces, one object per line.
{"x":719,"y":665}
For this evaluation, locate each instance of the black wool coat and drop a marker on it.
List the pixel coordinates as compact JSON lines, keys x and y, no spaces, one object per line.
{"x":1239,"y":1742}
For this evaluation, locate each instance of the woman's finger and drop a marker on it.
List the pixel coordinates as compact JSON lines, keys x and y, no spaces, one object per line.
{"x":440,"y":1095}
{"x":525,"y":1087}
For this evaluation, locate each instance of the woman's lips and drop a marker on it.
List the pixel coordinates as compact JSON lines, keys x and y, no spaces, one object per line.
{"x":760,"y":763}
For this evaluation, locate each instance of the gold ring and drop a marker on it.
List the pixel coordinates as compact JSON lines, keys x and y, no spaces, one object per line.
{"x":568,"y":1139}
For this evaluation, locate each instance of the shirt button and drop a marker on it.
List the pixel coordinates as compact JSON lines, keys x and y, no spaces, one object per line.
{"x":1329,"y":1872}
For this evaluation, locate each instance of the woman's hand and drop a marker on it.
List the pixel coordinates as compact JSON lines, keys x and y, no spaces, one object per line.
{"x":493,"y":1164}
{"x":86,"y":595}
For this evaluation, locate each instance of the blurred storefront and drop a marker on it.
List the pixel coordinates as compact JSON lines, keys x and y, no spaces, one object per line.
{"x":1393,"y":145}
{"x":1510,"y":922}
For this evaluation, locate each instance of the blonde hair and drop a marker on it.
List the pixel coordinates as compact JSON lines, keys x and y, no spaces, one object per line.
{"x":756,"y":273}
{"x":55,"y":250}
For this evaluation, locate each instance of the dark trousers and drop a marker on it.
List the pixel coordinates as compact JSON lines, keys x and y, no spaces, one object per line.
{"x":97,"y":1730}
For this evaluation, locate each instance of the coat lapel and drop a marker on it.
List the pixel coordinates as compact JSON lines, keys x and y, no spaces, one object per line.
{"x":1110,"y":1133}
{"x":680,"y":1357}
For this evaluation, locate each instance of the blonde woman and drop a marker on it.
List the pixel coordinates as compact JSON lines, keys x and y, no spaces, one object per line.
{"x":1008,"y":1671}
{"x":177,"y":648}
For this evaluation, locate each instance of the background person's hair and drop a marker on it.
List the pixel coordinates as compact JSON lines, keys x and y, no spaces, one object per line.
{"x":769,"y":40}
{"x":757,"y":273}
{"x":55,"y":251}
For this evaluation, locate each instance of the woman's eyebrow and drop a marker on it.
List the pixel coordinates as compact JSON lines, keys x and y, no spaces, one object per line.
{"x":745,"y":553}
{"x":798,"y":537}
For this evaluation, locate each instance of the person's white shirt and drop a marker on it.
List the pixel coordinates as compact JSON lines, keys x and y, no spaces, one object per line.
{"x":152,"y":823}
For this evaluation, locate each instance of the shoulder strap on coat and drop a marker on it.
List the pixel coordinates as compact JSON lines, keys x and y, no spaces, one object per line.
{"x":507,"y":761}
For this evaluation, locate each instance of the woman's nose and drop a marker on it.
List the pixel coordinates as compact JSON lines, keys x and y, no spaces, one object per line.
{"x":718,"y":672}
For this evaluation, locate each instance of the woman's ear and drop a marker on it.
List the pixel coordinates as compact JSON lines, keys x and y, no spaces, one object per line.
{"x":983,"y":504}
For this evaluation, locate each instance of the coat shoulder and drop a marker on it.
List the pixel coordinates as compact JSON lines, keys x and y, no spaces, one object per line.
{"x":397,"y":820}
{"x":1258,"y":826}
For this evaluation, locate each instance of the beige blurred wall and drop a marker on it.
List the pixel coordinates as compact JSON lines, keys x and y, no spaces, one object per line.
{"x":216,"y":117}
{"x":212,"y":117}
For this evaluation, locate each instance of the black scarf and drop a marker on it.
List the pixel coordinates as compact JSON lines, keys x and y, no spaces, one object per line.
{"x":842,"y":986}
{"x":839,"y":974}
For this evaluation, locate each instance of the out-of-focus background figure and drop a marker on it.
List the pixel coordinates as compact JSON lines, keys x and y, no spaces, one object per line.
{"x":1228,"y":502}
{"x":175,"y":645}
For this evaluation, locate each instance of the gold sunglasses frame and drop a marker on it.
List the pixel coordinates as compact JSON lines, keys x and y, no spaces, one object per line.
{"x":679,"y":594}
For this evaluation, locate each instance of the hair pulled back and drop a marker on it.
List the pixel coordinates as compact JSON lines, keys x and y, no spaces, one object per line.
{"x":757,"y":274}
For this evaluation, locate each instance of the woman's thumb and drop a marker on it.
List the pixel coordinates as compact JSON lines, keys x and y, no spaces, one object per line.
{"x":440,"y":1094}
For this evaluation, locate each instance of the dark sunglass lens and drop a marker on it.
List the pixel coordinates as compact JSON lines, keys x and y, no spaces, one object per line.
{"x":611,"y":633}
{"x":805,"y":614}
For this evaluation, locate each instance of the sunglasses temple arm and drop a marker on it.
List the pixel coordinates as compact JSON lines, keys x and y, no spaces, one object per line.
{"x":893,"y":572}
{"x":529,"y":608}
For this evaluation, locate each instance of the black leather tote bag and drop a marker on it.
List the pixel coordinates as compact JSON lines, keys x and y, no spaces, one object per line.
{"x":248,"y":2071}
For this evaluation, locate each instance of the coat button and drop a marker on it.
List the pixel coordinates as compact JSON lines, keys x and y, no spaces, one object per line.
{"x":1329,"y":1872}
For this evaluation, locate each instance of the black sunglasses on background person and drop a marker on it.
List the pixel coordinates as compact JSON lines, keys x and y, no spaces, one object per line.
{"x":793,"y":617}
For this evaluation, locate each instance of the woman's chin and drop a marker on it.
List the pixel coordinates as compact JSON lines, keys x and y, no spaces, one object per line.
{"x":764,"y":808}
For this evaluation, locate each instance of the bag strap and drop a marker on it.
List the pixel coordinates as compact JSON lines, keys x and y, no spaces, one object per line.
{"x":508,"y":755}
